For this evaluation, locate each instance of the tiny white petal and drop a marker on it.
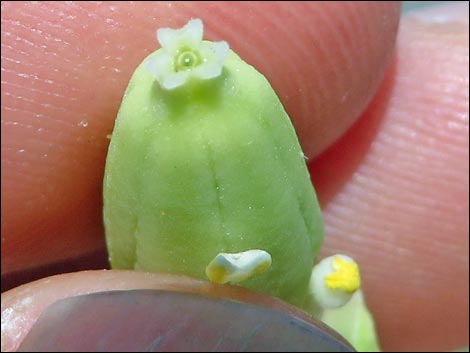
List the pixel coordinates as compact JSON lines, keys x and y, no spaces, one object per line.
{"x":166,"y":37}
{"x":175,"y":79}
{"x":190,"y":35}
{"x":238,"y":267}
{"x":206,"y":72}
{"x":214,"y":53}
{"x":220,"y":50}
{"x":159,"y":65}
{"x":184,"y":55}
{"x":192,"y":32}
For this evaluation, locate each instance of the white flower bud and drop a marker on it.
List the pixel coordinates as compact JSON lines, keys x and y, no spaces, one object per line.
{"x":334,"y":280}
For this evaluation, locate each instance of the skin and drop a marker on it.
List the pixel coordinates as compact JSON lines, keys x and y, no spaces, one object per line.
{"x":393,"y":189}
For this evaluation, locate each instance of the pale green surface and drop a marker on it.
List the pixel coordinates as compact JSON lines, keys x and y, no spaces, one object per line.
{"x":211,"y":167}
{"x":355,"y":323}
{"x":413,"y":5}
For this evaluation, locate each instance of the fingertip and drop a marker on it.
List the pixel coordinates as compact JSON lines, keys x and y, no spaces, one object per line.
{"x":163,"y":320}
{"x":395,"y":190}
{"x":112,"y":309}
{"x":66,"y":66}
{"x":325,"y":60}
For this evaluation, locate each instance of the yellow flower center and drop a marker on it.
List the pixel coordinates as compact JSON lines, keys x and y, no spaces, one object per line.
{"x":346,"y":276}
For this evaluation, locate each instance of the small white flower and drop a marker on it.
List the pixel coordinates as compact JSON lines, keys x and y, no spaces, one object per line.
{"x":238,"y":267}
{"x":185,"y":55}
{"x":334,"y":280}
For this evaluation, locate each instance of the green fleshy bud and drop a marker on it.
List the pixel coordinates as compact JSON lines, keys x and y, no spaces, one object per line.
{"x":204,"y":160}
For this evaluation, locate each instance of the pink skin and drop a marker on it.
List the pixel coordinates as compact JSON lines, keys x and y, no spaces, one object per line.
{"x":401,"y":204}
{"x":394,"y":188}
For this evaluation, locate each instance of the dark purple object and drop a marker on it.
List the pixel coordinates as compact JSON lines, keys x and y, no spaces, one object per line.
{"x":153,"y":321}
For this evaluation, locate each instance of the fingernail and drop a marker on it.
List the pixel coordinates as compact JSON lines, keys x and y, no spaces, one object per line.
{"x":153,"y":321}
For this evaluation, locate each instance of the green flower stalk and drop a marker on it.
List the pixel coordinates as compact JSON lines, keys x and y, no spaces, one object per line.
{"x":355,"y":323}
{"x":205,"y":177}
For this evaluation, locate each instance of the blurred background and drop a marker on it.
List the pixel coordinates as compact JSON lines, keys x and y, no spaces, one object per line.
{"x":411,"y":5}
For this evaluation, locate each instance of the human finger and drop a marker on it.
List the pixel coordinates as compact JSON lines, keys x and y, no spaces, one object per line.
{"x":134,"y":310}
{"x":65,"y":67}
{"x":395,"y":189}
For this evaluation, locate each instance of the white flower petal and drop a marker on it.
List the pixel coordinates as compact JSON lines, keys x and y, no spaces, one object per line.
{"x":237,"y":267}
{"x":167,"y":37}
{"x":206,"y":72}
{"x":220,"y":50}
{"x":214,"y":52}
{"x":213,"y":55}
{"x":184,"y":55}
{"x":175,"y":79}
{"x":159,"y":65}
{"x":190,"y":35}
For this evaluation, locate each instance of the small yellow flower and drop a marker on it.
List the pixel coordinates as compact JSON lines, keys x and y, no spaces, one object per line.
{"x":184,"y":55}
{"x":334,"y":280}
{"x":346,"y":276}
